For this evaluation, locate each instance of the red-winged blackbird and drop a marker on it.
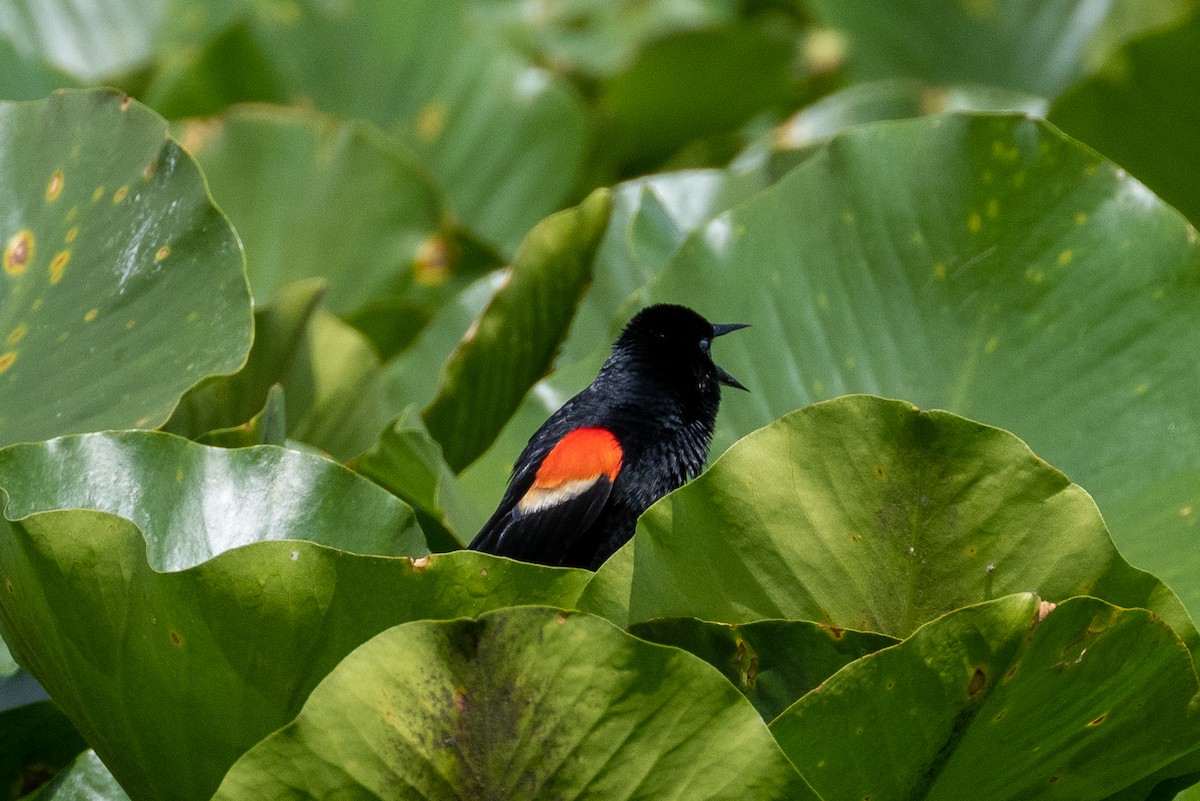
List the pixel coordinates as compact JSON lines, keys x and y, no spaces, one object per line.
{"x":640,"y":430}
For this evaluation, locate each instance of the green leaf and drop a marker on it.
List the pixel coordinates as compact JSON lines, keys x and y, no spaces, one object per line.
{"x":1028,"y":45}
{"x":85,"y":779}
{"x":514,"y":342}
{"x":26,"y":77}
{"x":772,"y":662}
{"x":871,"y":514}
{"x":118,"y":273}
{"x":193,"y":502}
{"x":989,"y":703}
{"x":312,"y":196}
{"x":1140,"y":112}
{"x":36,"y":741}
{"x":409,"y":464}
{"x":989,"y":266}
{"x":172,"y":676}
{"x":512,"y":706}
{"x":504,"y":138}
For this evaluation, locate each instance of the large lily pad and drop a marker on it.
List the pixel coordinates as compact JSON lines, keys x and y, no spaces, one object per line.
{"x":119,"y":274}
{"x":172,"y":676}
{"x":985,"y":265}
{"x":989,"y":703}
{"x":193,"y":502}
{"x":873,"y":515}
{"x":512,"y":706}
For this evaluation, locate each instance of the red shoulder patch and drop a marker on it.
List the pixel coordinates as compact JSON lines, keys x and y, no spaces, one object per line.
{"x":585,"y":453}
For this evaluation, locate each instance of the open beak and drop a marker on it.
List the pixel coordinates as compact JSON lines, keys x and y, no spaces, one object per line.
{"x":723,"y":377}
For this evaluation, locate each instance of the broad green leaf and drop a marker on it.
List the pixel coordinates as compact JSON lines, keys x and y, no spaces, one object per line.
{"x":315,"y":197}
{"x":514,"y":341}
{"x":36,"y":741}
{"x":871,"y":514}
{"x":94,"y":41}
{"x":504,"y":138}
{"x":121,"y":284}
{"x":985,"y":265}
{"x":596,"y":37}
{"x":85,"y":779}
{"x":512,"y":706}
{"x":772,"y":662}
{"x":651,"y":218}
{"x":172,"y":676}
{"x":193,"y":502}
{"x":989,"y":703}
{"x":409,"y":464}
{"x":1035,"y":46}
{"x":1141,"y":112}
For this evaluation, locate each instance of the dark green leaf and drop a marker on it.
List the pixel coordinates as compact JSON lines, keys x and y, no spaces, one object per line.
{"x":772,"y":662}
{"x":36,"y":741}
{"x":989,"y":703}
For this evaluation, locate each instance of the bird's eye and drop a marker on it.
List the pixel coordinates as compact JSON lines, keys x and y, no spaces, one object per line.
{"x":704,"y":345}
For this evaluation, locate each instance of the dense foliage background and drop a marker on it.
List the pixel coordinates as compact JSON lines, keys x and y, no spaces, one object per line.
{"x":287,"y":284}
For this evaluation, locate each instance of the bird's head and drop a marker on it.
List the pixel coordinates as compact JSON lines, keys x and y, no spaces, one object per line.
{"x":672,"y":344}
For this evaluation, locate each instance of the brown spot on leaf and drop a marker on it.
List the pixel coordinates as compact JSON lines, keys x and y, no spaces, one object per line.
{"x":59,"y":266}
{"x":1098,"y":720}
{"x":1044,"y":609}
{"x":19,"y":252}
{"x":420,"y":563}
{"x":176,"y":640}
{"x":7,"y":359}
{"x":834,"y":631}
{"x":126,"y":100}
{"x":1053,"y":779}
{"x":560,"y":618}
{"x":978,"y":680}
{"x":881,"y":472}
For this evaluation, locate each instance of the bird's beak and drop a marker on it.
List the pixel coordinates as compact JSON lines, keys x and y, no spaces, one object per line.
{"x":723,"y":377}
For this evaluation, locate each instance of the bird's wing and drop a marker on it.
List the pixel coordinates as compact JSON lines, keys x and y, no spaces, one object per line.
{"x":543,"y":516}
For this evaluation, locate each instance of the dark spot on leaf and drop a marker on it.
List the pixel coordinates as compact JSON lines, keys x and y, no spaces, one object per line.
{"x":1053,"y":779}
{"x":834,"y":631}
{"x":752,"y":672}
{"x":891,"y":685}
{"x":176,"y":639}
{"x":881,"y":472}
{"x":1098,"y":719}
{"x":1012,"y":671}
{"x":1000,"y":715}
{"x":18,"y":252}
{"x":978,"y":679}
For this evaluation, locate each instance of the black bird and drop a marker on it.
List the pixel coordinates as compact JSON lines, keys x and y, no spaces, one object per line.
{"x":640,"y":430}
